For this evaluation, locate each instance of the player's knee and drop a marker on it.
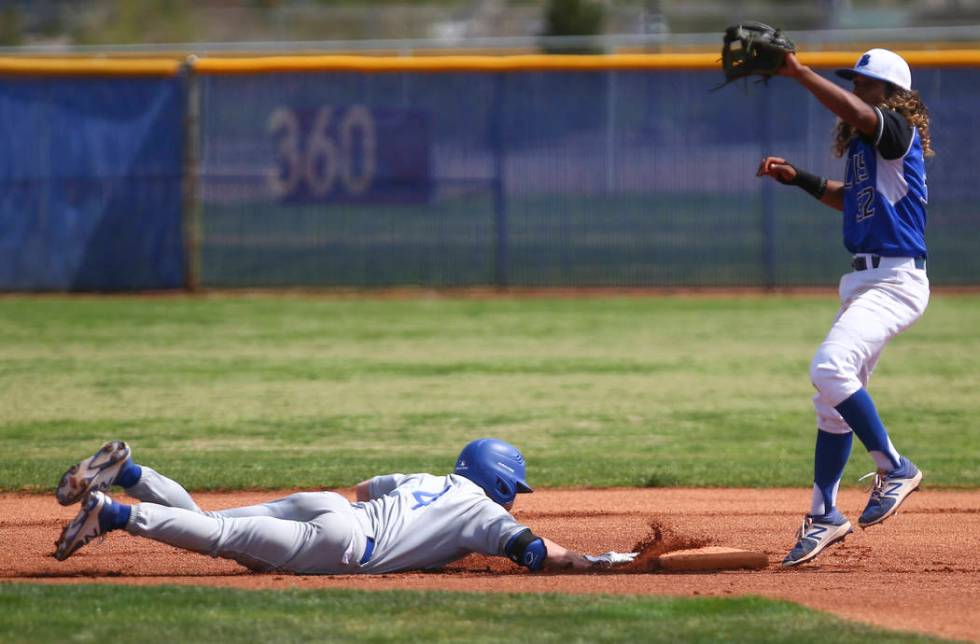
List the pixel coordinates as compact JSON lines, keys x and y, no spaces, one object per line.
{"x":833,"y":373}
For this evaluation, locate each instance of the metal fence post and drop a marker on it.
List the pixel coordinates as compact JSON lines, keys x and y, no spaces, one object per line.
{"x":768,"y":196}
{"x":191,"y":179}
{"x":501,"y":273}
{"x":610,"y":130}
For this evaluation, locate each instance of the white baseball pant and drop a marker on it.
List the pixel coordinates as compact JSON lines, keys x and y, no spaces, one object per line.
{"x":876,"y":305}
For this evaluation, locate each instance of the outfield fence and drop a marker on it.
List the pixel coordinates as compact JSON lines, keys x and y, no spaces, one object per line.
{"x":357,"y":171}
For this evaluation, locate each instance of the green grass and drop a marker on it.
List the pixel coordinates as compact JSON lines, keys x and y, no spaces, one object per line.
{"x":270,"y":392}
{"x":176,"y":614}
{"x":238,"y":391}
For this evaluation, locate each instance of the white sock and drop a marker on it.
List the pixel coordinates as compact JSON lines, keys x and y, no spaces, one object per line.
{"x":817,"y":505}
{"x":886,"y":462}
{"x":816,"y":502}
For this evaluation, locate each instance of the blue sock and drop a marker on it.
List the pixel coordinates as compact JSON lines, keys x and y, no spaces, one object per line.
{"x":829,"y":459}
{"x":114,"y":516}
{"x":129,"y":475}
{"x":860,"y":413}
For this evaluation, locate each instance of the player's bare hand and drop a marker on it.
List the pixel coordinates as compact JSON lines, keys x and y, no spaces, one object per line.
{"x":777,"y":168}
{"x":791,"y":66}
{"x":567,"y":561}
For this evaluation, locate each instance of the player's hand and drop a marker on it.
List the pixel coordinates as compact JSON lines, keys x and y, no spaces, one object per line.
{"x":791,"y":66}
{"x":777,"y":168}
{"x":610,"y":559}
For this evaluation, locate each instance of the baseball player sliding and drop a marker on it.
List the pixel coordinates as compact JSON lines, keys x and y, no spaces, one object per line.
{"x":883,"y":132}
{"x":399,"y":522}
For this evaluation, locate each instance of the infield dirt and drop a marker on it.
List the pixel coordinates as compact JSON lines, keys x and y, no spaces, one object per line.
{"x":918,"y":571}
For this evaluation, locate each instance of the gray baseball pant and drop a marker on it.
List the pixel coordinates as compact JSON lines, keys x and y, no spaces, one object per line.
{"x":307,"y":533}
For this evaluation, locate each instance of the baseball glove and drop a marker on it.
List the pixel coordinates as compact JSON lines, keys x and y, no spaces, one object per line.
{"x":753,"y":49}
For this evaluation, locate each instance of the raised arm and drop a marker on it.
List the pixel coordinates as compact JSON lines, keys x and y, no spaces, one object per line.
{"x":838,"y":100}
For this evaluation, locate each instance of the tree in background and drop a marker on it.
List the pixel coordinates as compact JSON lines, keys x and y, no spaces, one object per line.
{"x":10,"y":27}
{"x":573,"y":18}
{"x":146,"y":21}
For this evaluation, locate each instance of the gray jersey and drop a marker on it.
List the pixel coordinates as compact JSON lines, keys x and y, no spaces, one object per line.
{"x":423,"y":521}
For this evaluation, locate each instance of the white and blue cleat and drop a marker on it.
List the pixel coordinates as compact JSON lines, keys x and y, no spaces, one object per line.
{"x":87,"y":525}
{"x":816,"y":534}
{"x":889,"y":491}
{"x":95,"y":473}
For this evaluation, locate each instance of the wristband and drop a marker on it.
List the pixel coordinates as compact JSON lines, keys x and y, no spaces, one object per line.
{"x":811,"y":183}
{"x":526,"y":549}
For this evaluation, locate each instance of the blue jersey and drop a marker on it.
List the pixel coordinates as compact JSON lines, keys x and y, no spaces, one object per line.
{"x":885,"y":191}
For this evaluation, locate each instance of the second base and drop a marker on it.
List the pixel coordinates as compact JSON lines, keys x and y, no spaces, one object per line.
{"x":712,"y":558}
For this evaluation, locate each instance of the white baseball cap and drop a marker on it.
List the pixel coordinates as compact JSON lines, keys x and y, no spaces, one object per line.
{"x":881,"y":64}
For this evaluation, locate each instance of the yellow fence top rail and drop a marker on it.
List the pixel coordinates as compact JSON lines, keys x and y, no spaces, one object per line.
{"x":525,"y":62}
{"x":451,"y":63}
{"x":540,"y":62}
{"x":87,"y":67}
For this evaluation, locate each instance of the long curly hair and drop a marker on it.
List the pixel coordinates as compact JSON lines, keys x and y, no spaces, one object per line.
{"x":908,"y":103}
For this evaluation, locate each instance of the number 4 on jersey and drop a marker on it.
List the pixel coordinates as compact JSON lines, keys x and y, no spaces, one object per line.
{"x":423,"y":498}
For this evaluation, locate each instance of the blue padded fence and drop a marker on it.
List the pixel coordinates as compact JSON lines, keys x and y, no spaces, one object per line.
{"x":90,"y":183}
{"x":442,"y":178}
{"x":609,"y":178}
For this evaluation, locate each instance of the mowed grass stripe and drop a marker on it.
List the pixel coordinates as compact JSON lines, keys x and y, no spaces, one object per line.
{"x":33,"y":613}
{"x":231,"y":391}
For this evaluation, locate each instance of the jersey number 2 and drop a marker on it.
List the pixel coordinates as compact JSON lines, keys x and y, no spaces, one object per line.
{"x":423,"y":499}
{"x":865,"y":204}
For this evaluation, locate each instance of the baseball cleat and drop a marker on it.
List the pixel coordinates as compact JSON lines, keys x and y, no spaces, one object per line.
{"x":816,"y":533}
{"x":97,"y":472}
{"x":84,"y":527}
{"x":889,"y":491}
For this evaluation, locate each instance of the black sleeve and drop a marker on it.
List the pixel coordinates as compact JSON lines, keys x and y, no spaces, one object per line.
{"x":894,"y":134}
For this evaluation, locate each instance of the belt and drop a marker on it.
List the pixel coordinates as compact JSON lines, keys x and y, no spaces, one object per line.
{"x":864,"y":262}
{"x":368,"y":551}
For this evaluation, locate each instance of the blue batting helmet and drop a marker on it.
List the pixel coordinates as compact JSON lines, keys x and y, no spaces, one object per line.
{"x":494,"y":465}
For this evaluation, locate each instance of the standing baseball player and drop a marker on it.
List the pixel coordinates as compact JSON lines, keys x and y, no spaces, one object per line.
{"x":883,"y":132}
{"x":399,"y":522}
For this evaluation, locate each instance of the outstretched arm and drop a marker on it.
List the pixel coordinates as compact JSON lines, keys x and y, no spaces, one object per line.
{"x":560,"y":558}
{"x":838,"y":100}
{"x":538,"y":553}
